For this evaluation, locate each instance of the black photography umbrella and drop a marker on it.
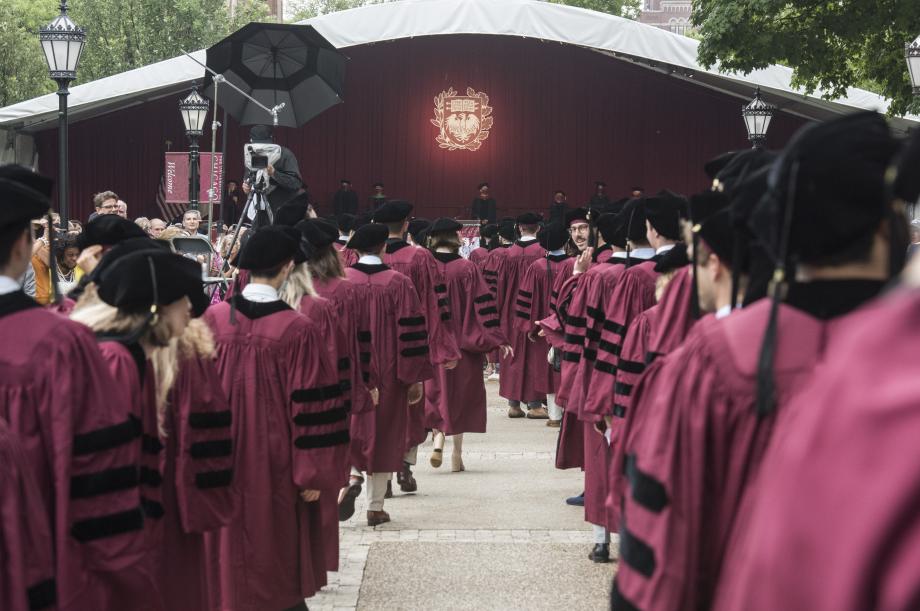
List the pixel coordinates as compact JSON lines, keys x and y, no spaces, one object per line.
{"x":276,"y":64}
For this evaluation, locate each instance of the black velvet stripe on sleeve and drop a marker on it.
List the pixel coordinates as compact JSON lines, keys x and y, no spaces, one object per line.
{"x":151,"y":444}
{"x":109,"y":525}
{"x":646,"y":490}
{"x":413,"y":321}
{"x":312,"y":395}
{"x":614,"y":327}
{"x":492,"y":323}
{"x":413,"y":336}
{"x":618,"y":602}
{"x":366,"y":377}
{"x":619,"y":410}
{"x":414,"y":351}
{"x":634,"y":367}
{"x":609,"y":347}
{"x":593,"y":334}
{"x":524,"y":315}
{"x":651,"y":356}
{"x":576,"y":321}
{"x":344,"y":364}
{"x":523,"y":304}
{"x":103,"y":482}
{"x":636,"y":553}
{"x":329,"y":416}
{"x":621,"y":388}
{"x":484,"y":299}
{"x":487,"y":311}
{"x":213,"y":479}
{"x":525,"y":294}
{"x":440,"y":288}
{"x":605,"y":367}
{"x":328,"y":440}
{"x":445,"y":315}
{"x":443,"y":302}
{"x":571,"y":357}
{"x":42,"y":595}
{"x":590,"y":354}
{"x":210,"y":420}
{"x":211,"y":449}
{"x":365,"y":357}
{"x":364,"y":336}
{"x":152,"y":509}
{"x":107,"y":438}
{"x":596,"y":313}
{"x":151,"y":477}
{"x":574,"y":338}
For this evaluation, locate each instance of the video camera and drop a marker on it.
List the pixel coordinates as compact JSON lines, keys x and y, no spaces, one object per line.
{"x":259,"y":156}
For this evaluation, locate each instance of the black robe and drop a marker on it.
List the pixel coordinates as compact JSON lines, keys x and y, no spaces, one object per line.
{"x":484,"y":209}
{"x":345,"y":202}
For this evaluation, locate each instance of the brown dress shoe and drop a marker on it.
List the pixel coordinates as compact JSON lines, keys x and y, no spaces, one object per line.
{"x":515,"y":412}
{"x":554,"y":423}
{"x":406,"y":480}
{"x":376,"y":518}
{"x":538,"y":413}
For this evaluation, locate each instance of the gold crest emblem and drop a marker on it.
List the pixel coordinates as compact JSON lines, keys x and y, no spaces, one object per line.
{"x":464,"y":121}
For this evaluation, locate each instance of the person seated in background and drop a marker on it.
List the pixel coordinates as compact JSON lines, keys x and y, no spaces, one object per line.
{"x":68,"y":274}
{"x":379,"y":198}
{"x":156,"y":227}
{"x":191,"y":222}
{"x":105,"y":202}
{"x":121,"y":209}
{"x":143,"y":222}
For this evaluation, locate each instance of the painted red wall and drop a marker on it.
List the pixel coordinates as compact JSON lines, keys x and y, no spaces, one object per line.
{"x":564,"y":117}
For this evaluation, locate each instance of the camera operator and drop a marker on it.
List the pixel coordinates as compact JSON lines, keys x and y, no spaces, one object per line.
{"x":284,"y":175}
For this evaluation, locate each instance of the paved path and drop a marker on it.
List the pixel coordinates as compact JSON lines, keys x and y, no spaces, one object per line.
{"x":497,"y":536}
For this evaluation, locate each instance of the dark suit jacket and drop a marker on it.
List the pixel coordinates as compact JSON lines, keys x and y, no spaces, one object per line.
{"x":484,"y":209}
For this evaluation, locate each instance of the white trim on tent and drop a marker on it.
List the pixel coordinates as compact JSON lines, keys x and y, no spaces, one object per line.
{"x":614,"y":36}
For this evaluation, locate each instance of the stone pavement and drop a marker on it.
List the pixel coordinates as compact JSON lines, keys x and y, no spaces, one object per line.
{"x":497,"y":536}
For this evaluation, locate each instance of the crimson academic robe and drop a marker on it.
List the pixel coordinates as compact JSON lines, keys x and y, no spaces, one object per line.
{"x":289,"y":406}
{"x":338,"y":310}
{"x":478,"y":256}
{"x":26,"y":547}
{"x":75,"y":426}
{"x":400,"y":346}
{"x":701,"y":442}
{"x":455,"y":400}
{"x":514,"y":383}
{"x":490,"y":267}
{"x":420,"y":267}
{"x":198,"y":492}
{"x":534,"y":304}
{"x":831,"y":524}
{"x":655,"y":332}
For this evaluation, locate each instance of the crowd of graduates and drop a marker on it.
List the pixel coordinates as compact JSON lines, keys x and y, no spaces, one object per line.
{"x":732,"y":371}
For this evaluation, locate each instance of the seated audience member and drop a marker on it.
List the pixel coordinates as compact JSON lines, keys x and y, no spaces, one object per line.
{"x":156,"y":227}
{"x":68,"y":274}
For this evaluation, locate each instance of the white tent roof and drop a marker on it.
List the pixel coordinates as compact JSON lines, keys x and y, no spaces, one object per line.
{"x":624,"y":39}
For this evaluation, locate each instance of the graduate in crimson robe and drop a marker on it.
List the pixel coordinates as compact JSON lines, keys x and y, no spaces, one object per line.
{"x":714,"y":402}
{"x":399,"y":348}
{"x":285,"y":392}
{"x":486,"y":234}
{"x":505,"y":236}
{"x":514,"y":383}
{"x":26,"y":547}
{"x":73,"y":421}
{"x":455,"y":399}
{"x":145,"y":296}
{"x":631,"y":294}
{"x":419,"y":266}
{"x":534,"y":303}
{"x":333,"y":305}
{"x":850,"y":429}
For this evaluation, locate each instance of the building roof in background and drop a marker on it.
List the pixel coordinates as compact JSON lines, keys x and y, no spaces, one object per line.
{"x":623,"y":39}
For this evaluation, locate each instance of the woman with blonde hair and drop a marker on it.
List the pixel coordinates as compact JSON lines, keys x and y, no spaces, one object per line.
{"x":142,"y":302}
{"x":319,"y":290}
{"x":455,"y":399}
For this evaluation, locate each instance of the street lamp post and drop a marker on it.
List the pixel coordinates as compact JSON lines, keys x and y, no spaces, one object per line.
{"x":194,"y":109}
{"x":62,"y":42}
{"x":912,"y":53}
{"x":757,"y":116}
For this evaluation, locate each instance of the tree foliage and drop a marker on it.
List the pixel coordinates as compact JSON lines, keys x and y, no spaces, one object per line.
{"x":121,"y":35}
{"x":830,"y":45}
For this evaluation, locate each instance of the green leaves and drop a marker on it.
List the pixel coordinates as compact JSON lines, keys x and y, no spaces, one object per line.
{"x":830,"y":45}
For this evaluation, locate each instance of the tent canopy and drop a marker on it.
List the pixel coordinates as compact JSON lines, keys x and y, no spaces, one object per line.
{"x":620,"y":38}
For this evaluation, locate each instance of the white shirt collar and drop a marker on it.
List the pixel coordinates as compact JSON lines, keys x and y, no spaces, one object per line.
{"x":620,"y":254}
{"x":8,"y":285}
{"x":260,"y":293}
{"x":642,"y":253}
{"x":558,"y":251}
{"x":664,"y":248}
{"x":527,"y":238}
{"x":723,"y":311}
{"x":343,"y":236}
{"x":370,"y":260}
